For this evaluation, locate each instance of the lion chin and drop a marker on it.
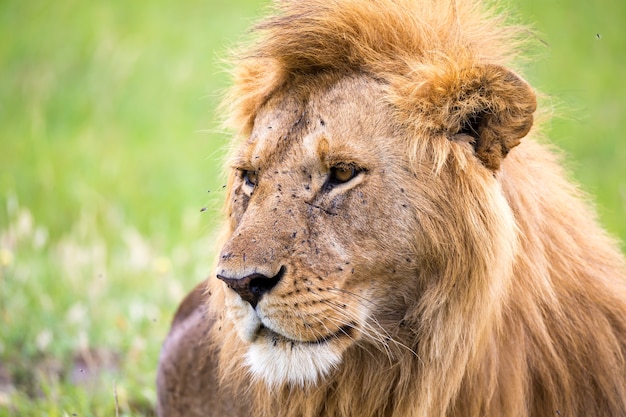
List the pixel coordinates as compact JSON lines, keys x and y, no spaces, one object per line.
{"x":276,"y":359}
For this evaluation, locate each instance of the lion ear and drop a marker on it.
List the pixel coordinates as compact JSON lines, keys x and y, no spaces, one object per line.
{"x":488,"y":106}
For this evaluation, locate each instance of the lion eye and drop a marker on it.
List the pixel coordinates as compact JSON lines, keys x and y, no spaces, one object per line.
{"x":342,"y":173}
{"x":250,"y":178}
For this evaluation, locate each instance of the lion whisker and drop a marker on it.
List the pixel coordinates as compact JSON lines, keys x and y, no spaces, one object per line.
{"x":355,"y":295}
{"x":373,"y":329}
{"x":384,"y":337}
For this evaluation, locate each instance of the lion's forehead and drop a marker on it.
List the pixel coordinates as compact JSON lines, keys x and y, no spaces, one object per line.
{"x":342,"y":119}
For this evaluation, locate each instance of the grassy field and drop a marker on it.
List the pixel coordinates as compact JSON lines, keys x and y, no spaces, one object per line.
{"x":109,"y":148}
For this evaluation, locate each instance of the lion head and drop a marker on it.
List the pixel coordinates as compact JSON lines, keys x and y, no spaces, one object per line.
{"x":348,"y":181}
{"x":395,"y":245}
{"x":337,"y":231}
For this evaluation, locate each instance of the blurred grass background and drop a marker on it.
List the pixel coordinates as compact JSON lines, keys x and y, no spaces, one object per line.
{"x":108,"y":150}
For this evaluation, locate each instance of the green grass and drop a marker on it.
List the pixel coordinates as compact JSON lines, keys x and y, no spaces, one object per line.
{"x":109,"y":144}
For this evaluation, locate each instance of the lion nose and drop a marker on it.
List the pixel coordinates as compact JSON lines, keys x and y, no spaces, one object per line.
{"x":251,"y":287}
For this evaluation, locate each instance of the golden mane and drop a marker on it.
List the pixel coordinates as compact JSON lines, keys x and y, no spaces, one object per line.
{"x":402,"y":42}
{"x":408,"y":44}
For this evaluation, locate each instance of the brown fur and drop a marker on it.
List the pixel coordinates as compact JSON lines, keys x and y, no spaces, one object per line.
{"x":460,"y":274}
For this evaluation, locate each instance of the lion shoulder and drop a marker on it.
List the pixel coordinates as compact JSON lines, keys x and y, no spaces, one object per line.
{"x":187,"y":377}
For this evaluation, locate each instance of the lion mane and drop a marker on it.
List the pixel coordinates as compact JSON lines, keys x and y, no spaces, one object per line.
{"x":398,"y":241}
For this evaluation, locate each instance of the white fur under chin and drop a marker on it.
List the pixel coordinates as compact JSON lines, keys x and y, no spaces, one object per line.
{"x":292,"y":363}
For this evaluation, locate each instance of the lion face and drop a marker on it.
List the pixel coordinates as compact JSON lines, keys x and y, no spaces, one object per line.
{"x":311,"y":267}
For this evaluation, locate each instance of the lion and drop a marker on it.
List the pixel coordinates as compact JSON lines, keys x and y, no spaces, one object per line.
{"x":398,"y":239}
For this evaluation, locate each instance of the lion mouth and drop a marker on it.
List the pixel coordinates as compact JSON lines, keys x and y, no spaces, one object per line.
{"x":276,"y":337}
